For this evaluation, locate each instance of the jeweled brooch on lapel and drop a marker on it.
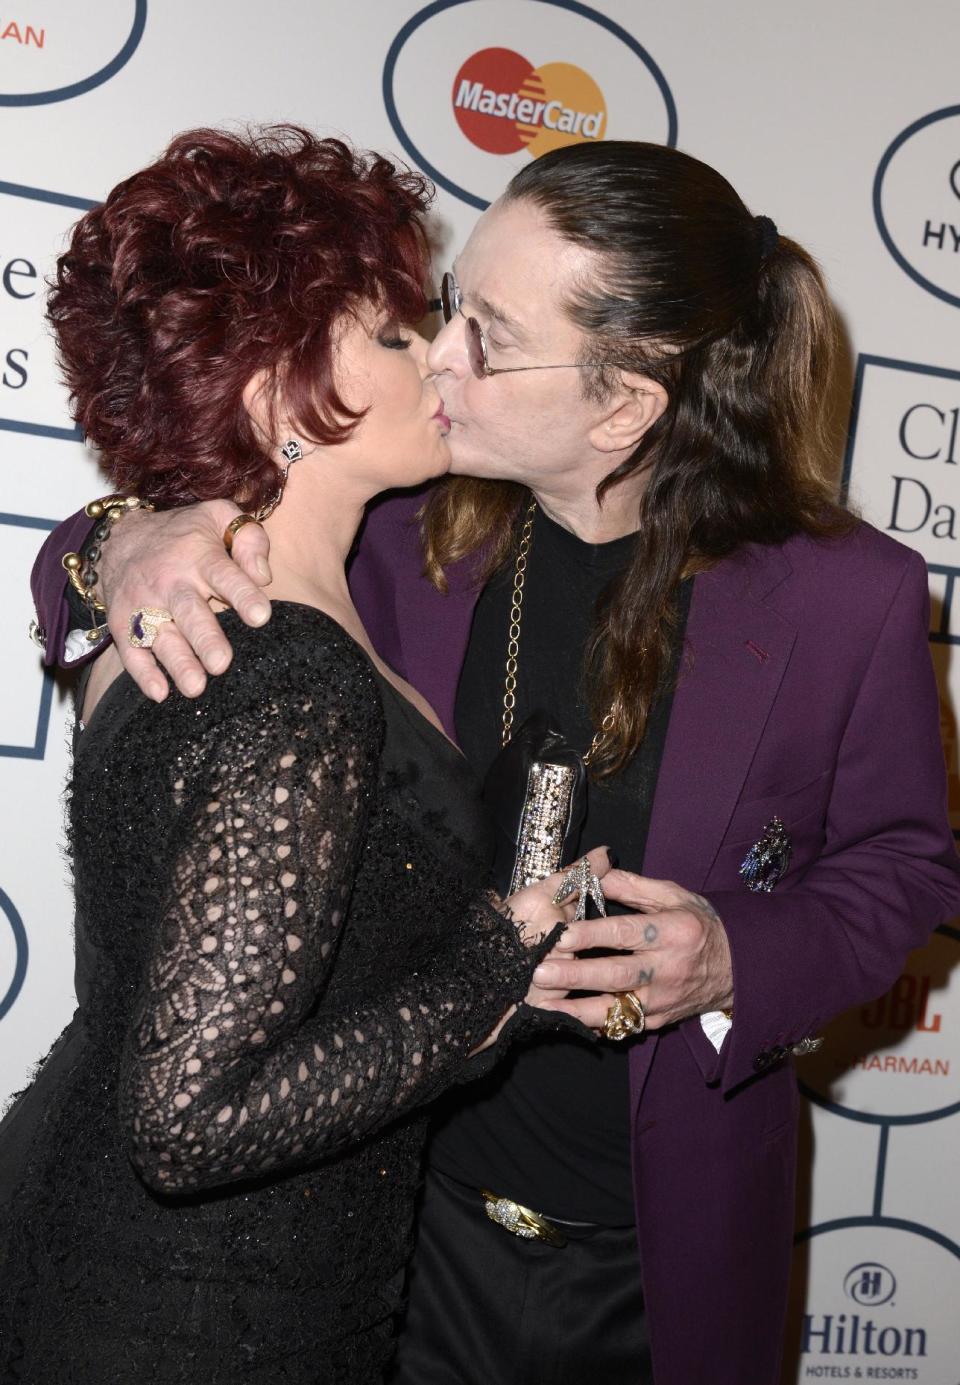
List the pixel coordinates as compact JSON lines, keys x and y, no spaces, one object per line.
{"x":765,"y":864}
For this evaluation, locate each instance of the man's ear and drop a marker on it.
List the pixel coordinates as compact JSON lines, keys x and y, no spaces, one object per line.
{"x":636,"y":404}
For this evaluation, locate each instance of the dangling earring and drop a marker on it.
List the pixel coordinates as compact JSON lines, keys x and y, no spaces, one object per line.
{"x":293,"y":452}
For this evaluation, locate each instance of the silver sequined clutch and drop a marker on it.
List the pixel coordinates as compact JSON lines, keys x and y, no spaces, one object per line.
{"x":536,"y":793}
{"x":546,"y":813}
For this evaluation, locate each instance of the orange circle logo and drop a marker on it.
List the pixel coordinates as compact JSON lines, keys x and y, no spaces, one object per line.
{"x":503,"y":104}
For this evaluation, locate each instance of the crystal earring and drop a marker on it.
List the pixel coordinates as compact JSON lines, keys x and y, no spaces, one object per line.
{"x":292,"y":452}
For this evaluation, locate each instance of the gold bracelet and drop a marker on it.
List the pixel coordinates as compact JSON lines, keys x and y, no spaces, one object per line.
{"x":81,"y":567}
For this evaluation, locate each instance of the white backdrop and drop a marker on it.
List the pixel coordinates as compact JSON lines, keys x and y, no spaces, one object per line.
{"x":839,"y":120}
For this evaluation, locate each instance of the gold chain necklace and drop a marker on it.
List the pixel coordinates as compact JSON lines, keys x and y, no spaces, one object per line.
{"x":513,"y":645}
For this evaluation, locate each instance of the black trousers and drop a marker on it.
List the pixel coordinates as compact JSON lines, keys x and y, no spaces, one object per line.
{"x":487,"y":1308}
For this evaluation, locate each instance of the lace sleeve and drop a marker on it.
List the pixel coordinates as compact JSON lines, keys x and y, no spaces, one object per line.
{"x":237,"y":1061}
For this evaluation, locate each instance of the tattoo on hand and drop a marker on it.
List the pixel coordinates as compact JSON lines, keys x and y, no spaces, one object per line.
{"x":645,"y":976}
{"x":650,"y":933}
{"x":707,"y":908}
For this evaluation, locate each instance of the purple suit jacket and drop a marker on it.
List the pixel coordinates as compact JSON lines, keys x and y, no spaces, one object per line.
{"x":806,"y":692}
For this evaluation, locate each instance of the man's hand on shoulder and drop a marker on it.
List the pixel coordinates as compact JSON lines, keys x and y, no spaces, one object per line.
{"x":175,"y":560}
{"x":673,"y":951}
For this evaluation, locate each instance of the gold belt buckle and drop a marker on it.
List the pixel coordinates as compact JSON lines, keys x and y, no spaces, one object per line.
{"x":521,"y":1221}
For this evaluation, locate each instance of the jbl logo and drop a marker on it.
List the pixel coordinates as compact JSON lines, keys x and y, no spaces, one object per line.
{"x":905,"y":1006}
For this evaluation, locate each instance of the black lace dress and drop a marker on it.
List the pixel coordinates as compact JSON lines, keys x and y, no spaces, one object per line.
{"x":283,"y":954}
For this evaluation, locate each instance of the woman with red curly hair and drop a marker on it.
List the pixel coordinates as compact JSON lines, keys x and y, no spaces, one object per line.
{"x":284,"y":946}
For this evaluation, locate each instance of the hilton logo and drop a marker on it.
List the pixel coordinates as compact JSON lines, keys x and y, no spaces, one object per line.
{"x":870,"y":1285}
{"x":856,"y":1336}
{"x":863,"y":1321}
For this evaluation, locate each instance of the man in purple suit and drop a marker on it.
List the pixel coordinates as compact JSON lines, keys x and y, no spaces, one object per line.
{"x":637,"y":542}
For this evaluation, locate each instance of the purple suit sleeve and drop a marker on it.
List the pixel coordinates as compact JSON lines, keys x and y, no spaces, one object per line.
{"x":888,"y":874}
{"x":48,"y":583}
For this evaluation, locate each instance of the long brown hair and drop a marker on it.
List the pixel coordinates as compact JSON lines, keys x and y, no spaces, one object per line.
{"x":734,"y":321}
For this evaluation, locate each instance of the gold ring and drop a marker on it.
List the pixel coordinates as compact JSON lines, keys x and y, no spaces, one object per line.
{"x":613,"y":1026}
{"x":631,"y":1000}
{"x":625,"y":1018}
{"x":144,"y":625}
{"x":235,"y":525}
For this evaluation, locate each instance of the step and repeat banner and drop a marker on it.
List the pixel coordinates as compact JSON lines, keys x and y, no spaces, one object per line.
{"x":842,"y":122}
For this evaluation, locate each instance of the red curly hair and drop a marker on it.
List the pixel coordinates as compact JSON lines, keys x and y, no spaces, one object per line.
{"x":232,"y":254}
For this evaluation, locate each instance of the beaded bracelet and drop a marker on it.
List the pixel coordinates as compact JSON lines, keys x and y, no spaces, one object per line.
{"x":81,"y":568}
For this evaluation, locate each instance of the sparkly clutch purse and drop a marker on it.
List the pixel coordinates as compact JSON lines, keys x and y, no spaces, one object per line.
{"x":536,"y":794}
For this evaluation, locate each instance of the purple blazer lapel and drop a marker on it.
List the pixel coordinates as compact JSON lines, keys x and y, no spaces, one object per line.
{"x":737,"y":651}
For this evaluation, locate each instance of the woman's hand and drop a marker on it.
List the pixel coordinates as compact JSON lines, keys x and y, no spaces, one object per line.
{"x":534,"y":914}
{"x":533,"y":909}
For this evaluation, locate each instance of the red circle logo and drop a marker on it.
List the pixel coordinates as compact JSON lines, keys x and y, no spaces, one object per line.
{"x":503,"y":103}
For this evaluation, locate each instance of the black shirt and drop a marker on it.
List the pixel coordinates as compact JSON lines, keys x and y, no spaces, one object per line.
{"x":550,"y":1126}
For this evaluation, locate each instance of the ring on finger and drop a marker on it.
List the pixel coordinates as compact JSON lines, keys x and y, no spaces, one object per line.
{"x":581,"y":878}
{"x":144,"y":625}
{"x":234,"y":527}
{"x":633,"y":1006}
{"x":615,"y":1026}
{"x":625,"y":1017}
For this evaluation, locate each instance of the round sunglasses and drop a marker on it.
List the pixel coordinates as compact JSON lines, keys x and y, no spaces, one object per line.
{"x":451,"y":302}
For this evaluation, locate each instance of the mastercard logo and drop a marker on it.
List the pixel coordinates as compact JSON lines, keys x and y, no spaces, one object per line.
{"x":503,"y":104}
{"x":499,"y":104}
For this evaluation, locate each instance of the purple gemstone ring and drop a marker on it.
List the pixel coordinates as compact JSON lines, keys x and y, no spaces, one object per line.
{"x":144,"y":625}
